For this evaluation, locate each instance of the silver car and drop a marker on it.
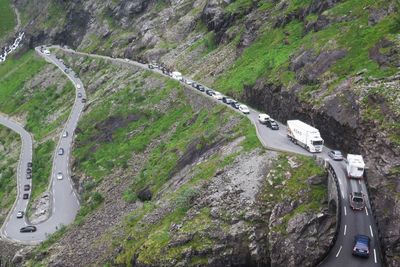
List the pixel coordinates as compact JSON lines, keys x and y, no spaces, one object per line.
{"x":335,"y":155}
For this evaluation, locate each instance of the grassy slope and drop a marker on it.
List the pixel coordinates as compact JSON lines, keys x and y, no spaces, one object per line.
{"x":7,"y":18}
{"x":45,"y":109}
{"x":9,"y":156}
{"x":269,"y":55}
{"x":100,"y":159}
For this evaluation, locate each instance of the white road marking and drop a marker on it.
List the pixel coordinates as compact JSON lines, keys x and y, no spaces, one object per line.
{"x":345,"y":229}
{"x":340,"y":182}
{"x":375,"y":256}
{"x":366,"y":211}
{"x":342,"y":194}
{"x":345,"y":211}
{"x":370,"y":229}
{"x":337,"y":254}
{"x":359,"y":181}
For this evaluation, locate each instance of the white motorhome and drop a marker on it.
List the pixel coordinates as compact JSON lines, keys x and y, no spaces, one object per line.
{"x":304,"y":135}
{"x":355,"y":166}
{"x":177,"y":75}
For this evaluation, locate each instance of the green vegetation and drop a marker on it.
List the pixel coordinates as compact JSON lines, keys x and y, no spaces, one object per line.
{"x":42,"y":162}
{"x":286,"y":183}
{"x":7,"y":18}
{"x":269,"y":56}
{"x":45,"y":109}
{"x":9,"y":156}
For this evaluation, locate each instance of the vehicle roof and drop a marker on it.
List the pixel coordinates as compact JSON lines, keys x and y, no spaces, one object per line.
{"x":362,"y":238}
{"x":263,"y":115}
{"x":243,"y":106}
{"x":337,"y":151}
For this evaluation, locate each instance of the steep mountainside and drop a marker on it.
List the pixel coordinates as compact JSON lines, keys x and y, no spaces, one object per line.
{"x":171,"y":178}
{"x":331,"y":63}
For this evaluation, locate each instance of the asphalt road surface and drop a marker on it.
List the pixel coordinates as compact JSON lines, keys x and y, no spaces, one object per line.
{"x":65,"y":203}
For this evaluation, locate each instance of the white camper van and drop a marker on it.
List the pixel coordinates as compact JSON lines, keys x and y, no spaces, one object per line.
{"x":355,"y":166}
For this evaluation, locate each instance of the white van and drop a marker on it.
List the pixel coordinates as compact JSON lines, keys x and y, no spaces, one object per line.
{"x":263,"y":118}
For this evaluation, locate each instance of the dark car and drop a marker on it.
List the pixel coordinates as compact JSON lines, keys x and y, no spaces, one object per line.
{"x":227,"y":100}
{"x":28,"y":170}
{"x":25,"y":196}
{"x":357,"y":201}
{"x":76,"y":75}
{"x":361,"y":246}
{"x":151,"y":66}
{"x":66,"y":70}
{"x":27,"y":187}
{"x":200,"y":88}
{"x":28,"y":176}
{"x":83,"y":100}
{"x":194,"y":85}
{"x":335,"y":155}
{"x":79,"y":95}
{"x":235,"y":104}
{"x":272,"y":124}
{"x":30,"y":165}
{"x":209,"y":92}
{"x":28,"y":229}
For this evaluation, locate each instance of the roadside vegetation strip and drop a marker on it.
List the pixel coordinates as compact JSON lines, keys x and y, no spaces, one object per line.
{"x":9,"y":155}
{"x":7,"y":18}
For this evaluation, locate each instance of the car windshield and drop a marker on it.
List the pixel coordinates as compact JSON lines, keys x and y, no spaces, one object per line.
{"x":358,"y":199}
{"x":318,"y":143}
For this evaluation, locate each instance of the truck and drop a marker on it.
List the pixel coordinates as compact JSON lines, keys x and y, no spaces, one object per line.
{"x":304,"y":135}
{"x":355,"y":166}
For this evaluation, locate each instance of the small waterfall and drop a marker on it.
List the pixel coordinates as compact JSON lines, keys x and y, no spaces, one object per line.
{"x":11,"y":48}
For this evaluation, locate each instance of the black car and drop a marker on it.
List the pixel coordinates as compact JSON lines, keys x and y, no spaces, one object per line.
{"x":25,"y":196}
{"x":28,"y":229}
{"x":83,"y":100}
{"x":151,"y":66}
{"x":200,"y":88}
{"x":27,"y":187}
{"x":66,"y":70}
{"x":194,"y":85}
{"x":209,"y":92}
{"x":28,"y":170}
{"x":30,"y":165}
{"x":227,"y":100}
{"x":361,"y":246}
{"x":28,"y":176}
{"x":272,"y":124}
{"x":235,"y":104}
{"x":76,"y":75}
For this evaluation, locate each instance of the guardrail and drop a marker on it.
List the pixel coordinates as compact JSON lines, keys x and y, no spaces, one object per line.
{"x":338,"y":213}
{"x":380,"y":237}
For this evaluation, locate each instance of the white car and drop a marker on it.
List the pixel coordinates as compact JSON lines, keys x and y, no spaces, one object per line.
{"x":78,"y":86}
{"x":46,"y":52}
{"x":217,"y":95}
{"x":65,"y":134}
{"x":244,"y":109}
{"x":20,"y":214}
{"x":263,"y":118}
{"x":59,"y":176}
{"x":61,"y":151}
